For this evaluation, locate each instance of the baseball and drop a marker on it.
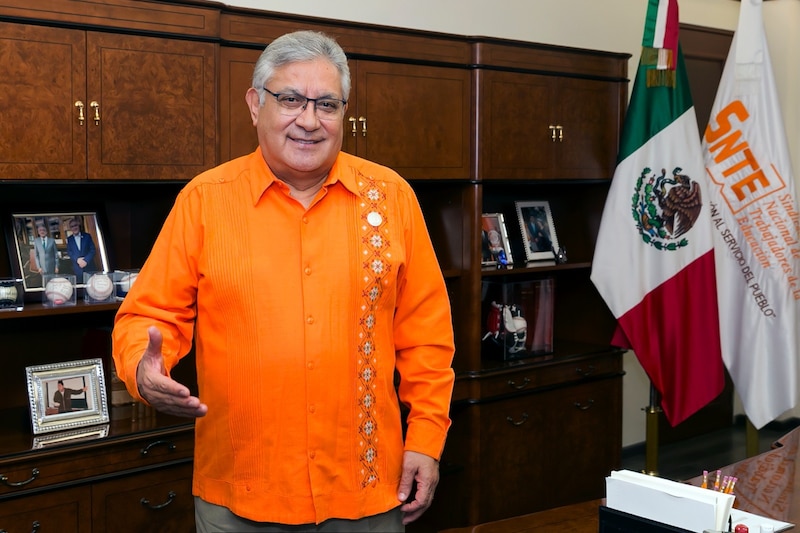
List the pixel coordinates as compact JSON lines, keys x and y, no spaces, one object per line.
{"x":58,"y":290}
{"x":99,"y":287}
{"x":8,"y":294}
{"x":126,"y":282}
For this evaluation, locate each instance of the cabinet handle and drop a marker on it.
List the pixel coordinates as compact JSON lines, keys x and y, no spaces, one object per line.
{"x":513,"y":384}
{"x":146,"y":450}
{"x":352,"y":121}
{"x":363,"y":121}
{"x":146,"y":503}
{"x":518,"y":422}
{"x":584,"y":406}
{"x":560,"y":130}
{"x":552,"y":132}
{"x":588,"y":372}
{"x":35,"y":525}
{"x":4,"y":480}
{"x":81,"y":116}
{"x":94,"y":105}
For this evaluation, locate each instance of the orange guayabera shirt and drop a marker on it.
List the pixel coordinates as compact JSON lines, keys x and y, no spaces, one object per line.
{"x":301,"y":317}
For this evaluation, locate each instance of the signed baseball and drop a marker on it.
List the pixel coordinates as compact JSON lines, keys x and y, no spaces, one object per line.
{"x":8,"y":294}
{"x":58,"y":290}
{"x":99,"y":287}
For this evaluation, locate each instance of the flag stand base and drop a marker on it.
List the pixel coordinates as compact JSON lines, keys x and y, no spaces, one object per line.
{"x":651,"y":442}
{"x":751,"y":439}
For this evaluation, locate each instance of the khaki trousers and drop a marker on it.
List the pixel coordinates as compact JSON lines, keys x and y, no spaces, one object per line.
{"x":212,"y":518}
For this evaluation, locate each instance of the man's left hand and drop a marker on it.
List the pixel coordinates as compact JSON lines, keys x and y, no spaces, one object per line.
{"x":424,"y":471}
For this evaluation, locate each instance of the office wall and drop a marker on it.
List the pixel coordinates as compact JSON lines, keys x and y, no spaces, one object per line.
{"x":614,"y":25}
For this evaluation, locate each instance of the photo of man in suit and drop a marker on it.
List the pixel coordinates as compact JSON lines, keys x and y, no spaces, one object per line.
{"x":81,"y":249}
{"x":44,"y":247}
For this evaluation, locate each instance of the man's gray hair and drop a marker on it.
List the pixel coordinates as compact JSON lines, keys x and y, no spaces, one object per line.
{"x":297,"y":47}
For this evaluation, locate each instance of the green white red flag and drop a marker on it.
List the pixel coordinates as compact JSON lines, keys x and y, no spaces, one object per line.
{"x":654,"y":259}
{"x":755,"y":218}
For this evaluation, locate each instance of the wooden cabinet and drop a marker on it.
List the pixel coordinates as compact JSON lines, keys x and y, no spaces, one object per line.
{"x":542,"y":431}
{"x":412,"y":118}
{"x":136,"y":503}
{"x":547,"y":113}
{"x":80,"y":105}
{"x":562,"y":127}
{"x":542,"y":436}
{"x":124,"y":482}
{"x":67,"y":511}
{"x":474,"y":124}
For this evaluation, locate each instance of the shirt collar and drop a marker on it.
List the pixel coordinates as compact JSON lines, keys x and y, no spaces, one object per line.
{"x":262,"y":177}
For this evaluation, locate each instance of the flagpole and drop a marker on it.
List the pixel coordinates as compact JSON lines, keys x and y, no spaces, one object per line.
{"x":651,"y":439}
{"x":751,"y":439}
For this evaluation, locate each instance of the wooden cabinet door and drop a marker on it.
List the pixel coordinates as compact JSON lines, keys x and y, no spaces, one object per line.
{"x":237,"y":135}
{"x":414,"y":119}
{"x":62,"y":510}
{"x":583,"y":440}
{"x":157,"y":107}
{"x":159,"y":500}
{"x":589,"y":113}
{"x":515,"y":116}
{"x":546,"y":127}
{"x":549,"y":449}
{"x":42,"y":75}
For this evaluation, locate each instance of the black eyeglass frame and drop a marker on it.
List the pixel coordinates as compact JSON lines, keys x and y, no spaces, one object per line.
{"x":301,"y":97}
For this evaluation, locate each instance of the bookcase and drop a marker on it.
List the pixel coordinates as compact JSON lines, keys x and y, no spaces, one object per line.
{"x":505,"y":121}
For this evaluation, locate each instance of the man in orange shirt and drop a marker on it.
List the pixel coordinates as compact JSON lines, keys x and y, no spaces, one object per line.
{"x":306,"y":278}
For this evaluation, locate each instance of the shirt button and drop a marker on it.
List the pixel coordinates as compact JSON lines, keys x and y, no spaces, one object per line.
{"x":305,"y":220}
{"x":312,"y":409}
{"x":307,"y":271}
{"x":309,"y":320}
{"x":310,"y":366}
{"x":312,"y":454}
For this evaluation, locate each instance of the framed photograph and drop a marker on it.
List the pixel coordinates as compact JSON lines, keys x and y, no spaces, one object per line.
{"x":69,"y":242}
{"x":67,"y":396}
{"x":538,"y":230}
{"x":494,"y":240}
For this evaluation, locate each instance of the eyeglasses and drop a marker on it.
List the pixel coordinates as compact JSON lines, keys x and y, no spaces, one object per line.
{"x":292,"y":104}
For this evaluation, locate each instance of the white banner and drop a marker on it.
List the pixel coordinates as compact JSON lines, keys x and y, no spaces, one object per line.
{"x":755,"y":218}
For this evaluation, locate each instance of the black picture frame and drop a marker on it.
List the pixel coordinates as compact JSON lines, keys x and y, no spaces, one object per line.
{"x":21,"y":240}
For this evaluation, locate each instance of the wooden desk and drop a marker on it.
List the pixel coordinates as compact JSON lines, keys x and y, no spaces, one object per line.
{"x":766,"y":487}
{"x":576,"y":518}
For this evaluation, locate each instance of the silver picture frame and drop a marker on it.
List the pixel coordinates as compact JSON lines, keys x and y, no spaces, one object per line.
{"x":66,"y":396}
{"x":538,"y":230}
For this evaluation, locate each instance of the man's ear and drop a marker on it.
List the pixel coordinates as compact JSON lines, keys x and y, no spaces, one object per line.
{"x":253,"y":104}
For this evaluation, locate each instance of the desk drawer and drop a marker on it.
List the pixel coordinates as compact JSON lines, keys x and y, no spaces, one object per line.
{"x":550,"y":374}
{"x":40,"y":469}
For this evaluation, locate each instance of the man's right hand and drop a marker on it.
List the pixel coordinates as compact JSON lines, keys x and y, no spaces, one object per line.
{"x":158,"y":389}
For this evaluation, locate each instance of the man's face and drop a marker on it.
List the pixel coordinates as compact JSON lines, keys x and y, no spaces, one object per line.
{"x":299,"y":149}
{"x":74,"y":228}
{"x":42,"y":231}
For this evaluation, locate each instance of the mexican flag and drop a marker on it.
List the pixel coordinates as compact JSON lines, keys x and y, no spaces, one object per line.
{"x":755,"y":217}
{"x":654,"y":259}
